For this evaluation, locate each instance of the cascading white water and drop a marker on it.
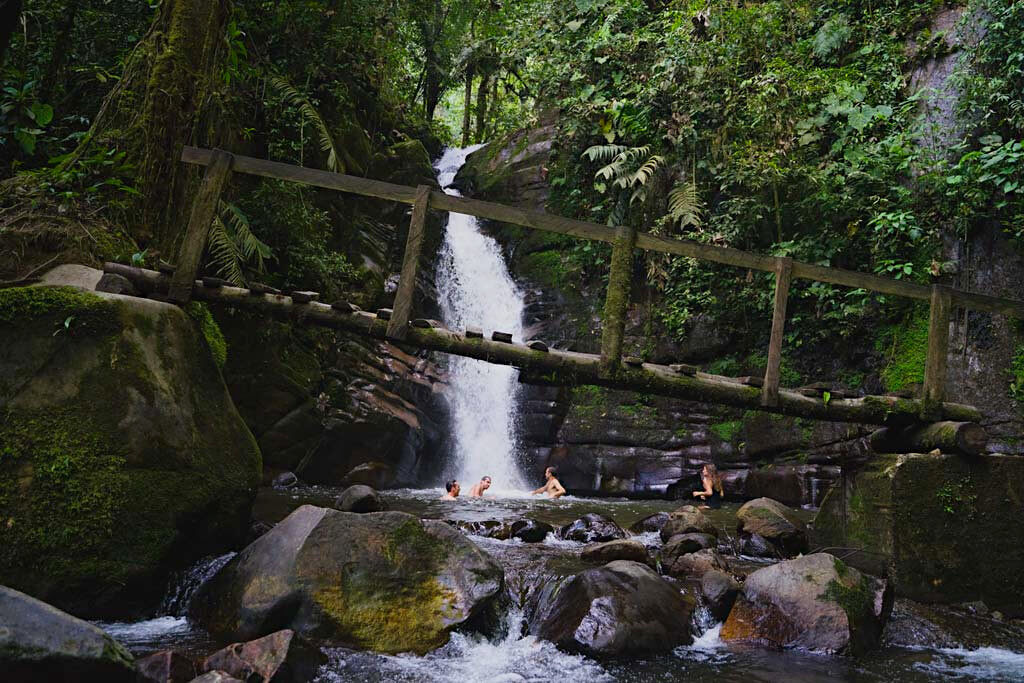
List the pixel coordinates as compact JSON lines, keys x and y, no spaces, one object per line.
{"x":476,"y":290}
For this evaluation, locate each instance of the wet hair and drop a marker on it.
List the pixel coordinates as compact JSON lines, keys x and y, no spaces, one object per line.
{"x":449,"y":485}
{"x":486,"y":477}
{"x":553,"y":470}
{"x":716,"y":478}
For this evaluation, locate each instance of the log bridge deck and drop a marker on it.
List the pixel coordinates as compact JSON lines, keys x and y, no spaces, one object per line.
{"x":539,"y":364}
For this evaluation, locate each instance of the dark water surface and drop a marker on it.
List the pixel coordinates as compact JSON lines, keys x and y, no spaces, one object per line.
{"x":921,"y":644}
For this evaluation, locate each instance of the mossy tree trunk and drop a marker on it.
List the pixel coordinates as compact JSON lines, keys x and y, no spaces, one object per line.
{"x":164,"y":100}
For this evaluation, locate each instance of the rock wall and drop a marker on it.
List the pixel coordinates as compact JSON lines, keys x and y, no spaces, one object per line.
{"x":943,"y":528}
{"x":122,"y":456}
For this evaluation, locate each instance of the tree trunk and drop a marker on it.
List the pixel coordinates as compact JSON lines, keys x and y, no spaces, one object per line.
{"x":964,"y":438}
{"x":163,"y":101}
{"x":481,"y":106}
{"x":467,"y":103}
{"x":10,"y":11}
{"x":60,"y":51}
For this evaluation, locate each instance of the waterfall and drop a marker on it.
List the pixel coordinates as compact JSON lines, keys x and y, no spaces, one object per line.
{"x":476,"y":290}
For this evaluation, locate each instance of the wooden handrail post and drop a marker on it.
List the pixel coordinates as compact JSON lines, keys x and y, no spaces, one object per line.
{"x":938,"y":346}
{"x":399,"y":323}
{"x":616,"y":301}
{"x":204,"y":208}
{"x":783,"y":277}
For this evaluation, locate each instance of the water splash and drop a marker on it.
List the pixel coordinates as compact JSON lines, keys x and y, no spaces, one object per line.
{"x":477,"y":291}
{"x":183,"y":585}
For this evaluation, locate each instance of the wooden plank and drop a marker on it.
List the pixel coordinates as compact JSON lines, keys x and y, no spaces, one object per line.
{"x":938,"y":345}
{"x":204,"y":208}
{"x":783,"y":276}
{"x":402,"y":308}
{"x":570,"y":368}
{"x":616,"y":301}
{"x":587,"y":230}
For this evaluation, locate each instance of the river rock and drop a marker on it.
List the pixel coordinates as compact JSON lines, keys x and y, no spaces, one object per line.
{"x":687,"y":520}
{"x":216,"y":677}
{"x":40,"y":643}
{"x":814,"y":602}
{"x":650,"y":523}
{"x":379,"y":475}
{"x":281,"y":657}
{"x":382,"y":581}
{"x":530,"y":530}
{"x":360,"y":498}
{"x":166,"y":666}
{"x":128,"y":456}
{"x":285,"y":480}
{"x":720,"y":590}
{"x":756,"y":545}
{"x":592,"y":528}
{"x":774,"y":522}
{"x":620,"y":549}
{"x":691,"y":543}
{"x":623,"y":608}
{"x":676,"y":562}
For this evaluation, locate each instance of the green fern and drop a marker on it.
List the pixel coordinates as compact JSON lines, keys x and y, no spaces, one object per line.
{"x":685,"y":206}
{"x":627,"y":168}
{"x":312,"y":116}
{"x":233,"y":245}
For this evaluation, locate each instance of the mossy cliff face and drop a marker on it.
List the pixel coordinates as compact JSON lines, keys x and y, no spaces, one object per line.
{"x":945,"y":528}
{"x":121,"y":454}
{"x":383,"y":581}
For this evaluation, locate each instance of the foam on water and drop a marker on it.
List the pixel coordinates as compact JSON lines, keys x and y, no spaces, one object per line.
{"x":131,"y":633}
{"x":476,"y":290}
{"x":984,"y":663}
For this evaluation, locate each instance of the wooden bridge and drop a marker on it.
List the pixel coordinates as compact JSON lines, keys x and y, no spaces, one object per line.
{"x":537,"y":363}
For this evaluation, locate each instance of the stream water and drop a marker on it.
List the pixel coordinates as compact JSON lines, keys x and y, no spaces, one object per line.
{"x":920,"y":644}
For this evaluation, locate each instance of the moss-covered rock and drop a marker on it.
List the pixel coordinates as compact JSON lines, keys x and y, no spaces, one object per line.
{"x":814,"y":602}
{"x":944,"y":528}
{"x":40,"y":643}
{"x":382,"y":581}
{"x":121,"y":454}
{"x":774,"y":522}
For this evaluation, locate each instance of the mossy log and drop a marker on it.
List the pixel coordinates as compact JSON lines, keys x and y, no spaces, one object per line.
{"x":570,"y":368}
{"x":965,"y":438}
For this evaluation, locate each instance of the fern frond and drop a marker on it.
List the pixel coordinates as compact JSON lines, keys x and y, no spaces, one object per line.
{"x":233,"y":244}
{"x":312,"y":116}
{"x":251,"y":247}
{"x":648,"y":169}
{"x":685,"y":206}
{"x":604,"y":152}
{"x":225,"y":253}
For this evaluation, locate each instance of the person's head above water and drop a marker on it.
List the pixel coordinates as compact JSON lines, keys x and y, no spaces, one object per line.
{"x":485,"y":483}
{"x":550,"y":472}
{"x":452,"y":487}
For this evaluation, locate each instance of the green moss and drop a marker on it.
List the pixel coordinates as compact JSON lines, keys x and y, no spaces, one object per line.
{"x":90,"y":314}
{"x":589,"y":400}
{"x":546,"y":268}
{"x":853,"y":593}
{"x":907,"y":348}
{"x":728,"y":431}
{"x":1017,"y":376}
{"x":199,"y":312}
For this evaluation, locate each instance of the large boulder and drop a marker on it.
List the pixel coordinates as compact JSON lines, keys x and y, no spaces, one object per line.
{"x":123,"y":457}
{"x":281,"y":657}
{"x":775,"y":523}
{"x":39,"y":643}
{"x":529,"y":530}
{"x":383,"y":581}
{"x":621,"y":549}
{"x":166,"y":666}
{"x":622,"y":608}
{"x":687,"y":520}
{"x":814,"y":602}
{"x":592,"y":528}
{"x":694,"y":565}
{"x":719,"y":590}
{"x":649,"y":523}
{"x":360,"y":498}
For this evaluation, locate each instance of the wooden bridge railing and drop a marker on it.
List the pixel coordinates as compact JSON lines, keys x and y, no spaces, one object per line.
{"x":624,"y":240}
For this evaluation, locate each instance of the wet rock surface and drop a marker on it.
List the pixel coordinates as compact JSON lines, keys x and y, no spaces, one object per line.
{"x":687,"y":519}
{"x":720,"y":590}
{"x":281,"y":657}
{"x":676,"y":561}
{"x":815,"y":603}
{"x":774,"y":523}
{"x":40,"y":643}
{"x":592,"y":528}
{"x":622,"y":549}
{"x":649,"y":523}
{"x":530,"y":531}
{"x":360,"y":498}
{"x":623,"y":608}
{"x":383,"y":581}
{"x":165,"y":667}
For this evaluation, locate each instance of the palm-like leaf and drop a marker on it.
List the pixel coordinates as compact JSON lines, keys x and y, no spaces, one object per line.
{"x":685,"y":206}
{"x":233,"y":245}
{"x":312,"y":116}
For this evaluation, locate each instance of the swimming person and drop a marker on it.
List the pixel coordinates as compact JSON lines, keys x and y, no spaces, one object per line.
{"x":478,"y":488}
{"x":713,"y":491}
{"x":452,"y":490}
{"x":553,"y":487}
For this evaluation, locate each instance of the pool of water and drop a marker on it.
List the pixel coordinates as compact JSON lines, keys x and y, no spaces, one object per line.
{"x":921,"y":644}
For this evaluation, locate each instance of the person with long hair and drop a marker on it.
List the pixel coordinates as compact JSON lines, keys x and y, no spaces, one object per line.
{"x":713,"y":491}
